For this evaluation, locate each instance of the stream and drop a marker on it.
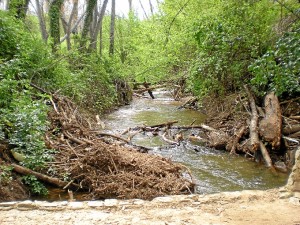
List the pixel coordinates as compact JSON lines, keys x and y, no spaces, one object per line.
{"x":213,"y":170}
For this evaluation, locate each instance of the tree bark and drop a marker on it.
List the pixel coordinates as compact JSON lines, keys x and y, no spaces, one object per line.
{"x":87,"y":22}
{"x":146,"y":16}
{"x":271,"y":125}
{"x":54,"y":14}
{"x":253,"y":123}
{"x":236,"y":139}
{"x":265,"y":155}
{"x":42,"y":23}
{"x":112,"y":28}
{"x":290,"y":129}
{"x":98,"y":27}
{"x":151,"y":7}
{"x":50,"y":180}
{"x":130,"y":5}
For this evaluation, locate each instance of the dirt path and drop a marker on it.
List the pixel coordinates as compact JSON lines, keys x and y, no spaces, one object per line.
{"x":246,"y":207}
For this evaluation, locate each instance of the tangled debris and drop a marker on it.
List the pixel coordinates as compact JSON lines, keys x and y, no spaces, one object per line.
{"x":93,"y":162}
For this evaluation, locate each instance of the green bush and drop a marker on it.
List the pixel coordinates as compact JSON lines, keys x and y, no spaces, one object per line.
{"x":229,"y":40}
{"x":279,"y":69}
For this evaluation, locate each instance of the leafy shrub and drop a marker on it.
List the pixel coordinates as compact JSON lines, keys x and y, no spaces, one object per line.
{"x":279,"y":69}
{"x":35,"y":186}
{"x":228,"y":42}
{"x":5,"y":174}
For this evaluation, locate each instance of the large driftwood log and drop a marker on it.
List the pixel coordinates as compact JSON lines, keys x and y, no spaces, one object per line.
{"x":253,"y":123}
{"x":271,"y":125}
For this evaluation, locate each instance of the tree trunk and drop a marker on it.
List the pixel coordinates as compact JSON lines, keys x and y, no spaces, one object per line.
{"x":39,"y":176}
{"x":146,"y":16}
{"x":19,"y":8}
{"x":265,"y":155}
{"x":130,"y":5}
{"x":87,"y":22}
{"x":98,"y":27}
{"x":151,"y":7}
{"x":270,"y":126}
{"x":41,"y":18}
{"x":72,"y":15}
{"x":54,"y":14}
{"x":253,"y":123}
{"x":112,"y":28}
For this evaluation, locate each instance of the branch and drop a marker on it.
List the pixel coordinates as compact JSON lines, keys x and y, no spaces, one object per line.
{"x":173,"y":20}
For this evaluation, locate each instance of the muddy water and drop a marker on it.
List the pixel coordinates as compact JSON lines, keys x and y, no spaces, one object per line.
{"x":213,"y":170}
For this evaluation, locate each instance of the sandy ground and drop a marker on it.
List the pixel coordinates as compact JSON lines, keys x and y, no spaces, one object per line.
{"x":246,"y":207}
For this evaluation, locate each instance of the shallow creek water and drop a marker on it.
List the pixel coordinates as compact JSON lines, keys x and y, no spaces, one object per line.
{"x":213,"y":170}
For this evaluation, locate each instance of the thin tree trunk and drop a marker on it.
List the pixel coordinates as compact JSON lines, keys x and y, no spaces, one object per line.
{"x":130,"y":5}
{"x":42,"y":23}
{"x":265,"y":155}
{"x":73,"y":28}
{"x":93,"y":44}
{"x":146,"y":16}
{"x":151,"y":7}
{"x":101,"y":41}
{"x":112,"y":28}
{"x":255,"y":143}
{"x":73,"y":13}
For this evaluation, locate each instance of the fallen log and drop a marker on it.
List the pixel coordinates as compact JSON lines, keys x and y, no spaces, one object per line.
{"x":271,"y":125}
{"x":50,"y":180}
{"x":113,"y":136}
{"x":188,"y":102}
{"x":295,"y":117}
{"x":295,"y":135}
{"x":290,"y":129}
{"x":139,"y":91}
{"x":201,"y":126}
{"x":168,"y":140}
{"x":265,"y":155}
{"x":253,"y":127}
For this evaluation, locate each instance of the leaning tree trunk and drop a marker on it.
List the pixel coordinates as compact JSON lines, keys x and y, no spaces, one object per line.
{"x":112,"y":28}
{"x":54,"y":14}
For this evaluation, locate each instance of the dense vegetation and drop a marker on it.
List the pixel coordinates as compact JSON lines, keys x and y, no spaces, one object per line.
{"x":218,"y":46}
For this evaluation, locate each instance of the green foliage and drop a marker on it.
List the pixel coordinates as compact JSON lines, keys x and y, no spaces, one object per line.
{"x":23,"y":113}
{"x":36,"y":187}
{"x":29,"y":119}
{"x":278,"y":69}
{"x":228,"y":42}
{"x":5,"y":174}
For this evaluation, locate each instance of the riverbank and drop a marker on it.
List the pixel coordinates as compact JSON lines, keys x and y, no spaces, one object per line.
{"x":236,"y":208}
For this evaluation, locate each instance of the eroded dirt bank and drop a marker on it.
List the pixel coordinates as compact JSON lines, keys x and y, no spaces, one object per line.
{"x":246,"y":207}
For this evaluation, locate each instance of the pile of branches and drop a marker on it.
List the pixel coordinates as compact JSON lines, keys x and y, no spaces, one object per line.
{"x":100,"y":163}
{"x":267,"y":131}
